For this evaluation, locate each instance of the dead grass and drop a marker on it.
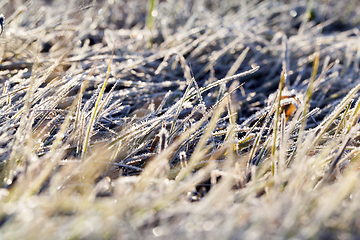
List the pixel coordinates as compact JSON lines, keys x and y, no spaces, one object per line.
{"x":221,"y":120}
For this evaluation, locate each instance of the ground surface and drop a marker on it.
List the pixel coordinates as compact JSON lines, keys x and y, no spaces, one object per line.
{"x":185,"y":120}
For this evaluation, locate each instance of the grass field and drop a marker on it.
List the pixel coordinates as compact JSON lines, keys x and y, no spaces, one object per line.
{"x":187,"y":119}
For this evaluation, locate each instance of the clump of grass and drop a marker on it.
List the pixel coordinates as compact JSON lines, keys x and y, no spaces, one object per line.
{"x":104,"y":137}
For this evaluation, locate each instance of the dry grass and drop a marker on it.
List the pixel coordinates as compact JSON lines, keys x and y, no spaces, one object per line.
{"x":215,"y":119}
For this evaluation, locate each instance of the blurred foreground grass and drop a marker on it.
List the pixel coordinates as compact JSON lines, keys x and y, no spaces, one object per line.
{"x":212,"y":120}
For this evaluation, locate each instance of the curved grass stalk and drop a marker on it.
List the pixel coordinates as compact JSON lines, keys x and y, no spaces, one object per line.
{"x":355,"y":115}
{"x":180,"y":106}
{"x":258,"y":137}
{"x":95,"y":111}
{"x":342,"y":123}
{"x":308,"y":94}
{"x":223,"y":80}
{"x":276,"y":121}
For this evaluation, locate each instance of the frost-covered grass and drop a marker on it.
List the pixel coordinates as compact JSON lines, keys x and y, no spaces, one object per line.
{"x":209,"y":120}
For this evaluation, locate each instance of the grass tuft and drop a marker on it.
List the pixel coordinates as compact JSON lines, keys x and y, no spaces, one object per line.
{"x":179,"y":119}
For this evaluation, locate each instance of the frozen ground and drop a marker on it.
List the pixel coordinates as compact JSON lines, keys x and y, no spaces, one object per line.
{"x":198,"y":119}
